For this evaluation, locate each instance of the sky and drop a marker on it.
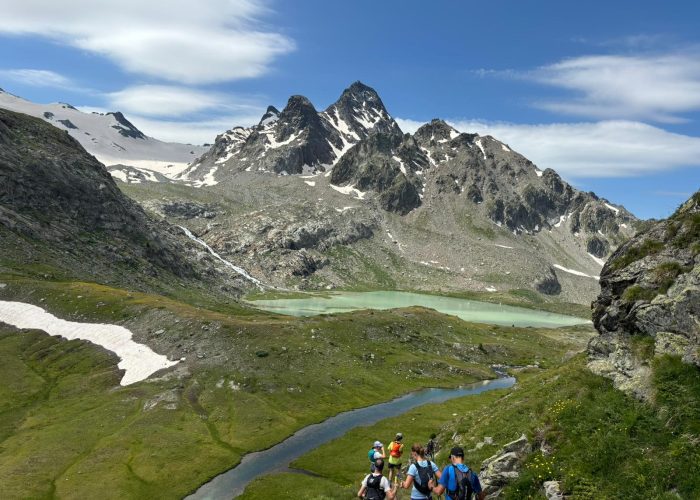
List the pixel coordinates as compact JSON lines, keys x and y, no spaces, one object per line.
{"x":605,"y":93}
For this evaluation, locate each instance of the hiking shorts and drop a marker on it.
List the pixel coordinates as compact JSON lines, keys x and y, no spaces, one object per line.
{"x":394,"y":466}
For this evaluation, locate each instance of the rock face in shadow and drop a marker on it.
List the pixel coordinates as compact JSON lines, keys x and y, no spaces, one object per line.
{"x":650,"y":301}
{"x":61,"y":203}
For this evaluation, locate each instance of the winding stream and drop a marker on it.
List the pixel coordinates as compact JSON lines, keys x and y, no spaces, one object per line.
{"x":232,"y":482}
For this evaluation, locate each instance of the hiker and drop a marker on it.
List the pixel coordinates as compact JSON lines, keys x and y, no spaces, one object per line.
{"x":420,"y":473}
{"x":375,"y":486}
{"x":395,"y":452}
{"x":375,"y":453}
{"x":458,"y":480}
{"x":431,"y":447}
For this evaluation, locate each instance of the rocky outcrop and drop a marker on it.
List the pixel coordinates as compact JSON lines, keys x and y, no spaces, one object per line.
{"x":650,"y":301}
{"x":548,"y":284}
{"x":503,"y":468}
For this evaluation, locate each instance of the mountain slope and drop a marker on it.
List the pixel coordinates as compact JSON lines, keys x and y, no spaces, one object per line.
{"x":110,"y":137}
{"x":60,"y":209}
{"x":343,"y":198}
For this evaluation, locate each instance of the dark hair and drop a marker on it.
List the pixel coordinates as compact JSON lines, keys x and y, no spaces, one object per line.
{"x":433,"y":436}
{"x":418,"y":449}
{"x":379,"y":465}
{"x":457,"y":451}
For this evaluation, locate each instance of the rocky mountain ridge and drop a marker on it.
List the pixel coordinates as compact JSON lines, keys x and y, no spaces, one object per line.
{"x":649,"y":303}
{"x":437,"y":199}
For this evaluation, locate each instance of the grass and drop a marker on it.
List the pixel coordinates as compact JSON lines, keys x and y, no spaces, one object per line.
{"x":68,"y":428}
{"x":605,"y":444}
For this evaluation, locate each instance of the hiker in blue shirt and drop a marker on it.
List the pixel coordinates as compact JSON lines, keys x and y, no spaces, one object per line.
{"x":457,"y":480}
{"x":420,"y":473}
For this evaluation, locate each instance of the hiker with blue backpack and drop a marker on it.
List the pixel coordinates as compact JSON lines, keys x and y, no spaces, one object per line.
{"x":375,"y":453}
{"x":420,"y":473}
{"x":457,"y":480}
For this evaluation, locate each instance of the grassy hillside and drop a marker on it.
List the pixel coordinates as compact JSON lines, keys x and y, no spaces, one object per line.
{"x":249,"y":380}
{"x":605,"y":444}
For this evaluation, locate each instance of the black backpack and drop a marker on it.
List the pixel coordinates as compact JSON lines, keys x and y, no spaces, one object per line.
{"x":464,"y":489}
{"x":374,"y":488}
{"x":425,"y":474}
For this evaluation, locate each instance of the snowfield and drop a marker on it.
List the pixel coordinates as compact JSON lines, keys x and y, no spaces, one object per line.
{"x":101,"y":136}
{"x":137,"y":360}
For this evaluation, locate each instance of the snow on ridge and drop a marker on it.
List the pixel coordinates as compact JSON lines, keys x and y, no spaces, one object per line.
{"x":574,"y":272}
{"x":349,"y":190}
{"x":505,"y":148}
{"x":478,"y":143}
{"x":502,"y":246}
{"x":137,"y":360}
{"x":274,"y":144}
{"x":616,"y":210}
{"x":96,"y":133}
{"x":538,"y":172}
{"x":454,"y":134}
{"x":401,"y":165}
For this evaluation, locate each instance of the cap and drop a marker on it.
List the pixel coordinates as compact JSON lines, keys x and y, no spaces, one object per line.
{"x":457,"y":452}
{"x":378,"y":444}
{"x":399,"y":436}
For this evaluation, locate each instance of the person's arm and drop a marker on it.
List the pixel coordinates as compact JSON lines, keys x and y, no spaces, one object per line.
{"x":408,"y":482}
{"x":439,"y":488}
{"x":363,"y":487}
{"x":438,"y":472}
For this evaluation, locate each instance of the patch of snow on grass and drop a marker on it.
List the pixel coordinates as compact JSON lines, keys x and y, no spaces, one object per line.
{"x":502,"y":246}
{"x":137,"y":360}
{"x":490,"y":289}
{"x":310,"y":183}
{"x":341,"y":210}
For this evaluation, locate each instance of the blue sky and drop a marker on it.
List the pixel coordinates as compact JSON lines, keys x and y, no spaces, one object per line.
{"x":606,"y":93}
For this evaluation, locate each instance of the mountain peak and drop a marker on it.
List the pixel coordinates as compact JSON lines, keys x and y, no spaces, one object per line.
{"x":270,"y":116}
{"x":436,"y":129}
{"x":125,"y":127}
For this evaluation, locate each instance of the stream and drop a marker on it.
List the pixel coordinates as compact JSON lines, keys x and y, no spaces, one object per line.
{"x":277,"y":458}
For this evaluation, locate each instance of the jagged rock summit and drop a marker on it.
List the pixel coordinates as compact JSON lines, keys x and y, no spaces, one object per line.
{"x":650,"y":296}
{"x":443,"y":199}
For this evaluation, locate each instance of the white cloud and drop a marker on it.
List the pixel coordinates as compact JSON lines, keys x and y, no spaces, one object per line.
{"x":580,"y":150}
{"x":171,"y":101}
{"x":180,"y":40}
{"x":36,"y":77}
{"x":192,"y":132}
{"x":659,"y":87}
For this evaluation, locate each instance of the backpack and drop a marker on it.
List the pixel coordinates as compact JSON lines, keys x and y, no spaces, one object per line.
{"x":370,"y":455}
{"x":395,"y":449}
{"x":430,"y":448}
{"x":374,"y":489}
{"x":463,"y":481}
{"x":425,"y":474}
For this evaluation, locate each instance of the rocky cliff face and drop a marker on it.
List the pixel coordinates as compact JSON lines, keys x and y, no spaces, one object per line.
{"x":59,"y":205}
{"x":650,"y":300}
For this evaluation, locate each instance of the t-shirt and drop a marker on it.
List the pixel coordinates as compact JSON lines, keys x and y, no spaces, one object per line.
{"x":413,"y":471}
{"x":393,"y":459}
{"x":384,"y":484}
{"x":448,"y":479}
